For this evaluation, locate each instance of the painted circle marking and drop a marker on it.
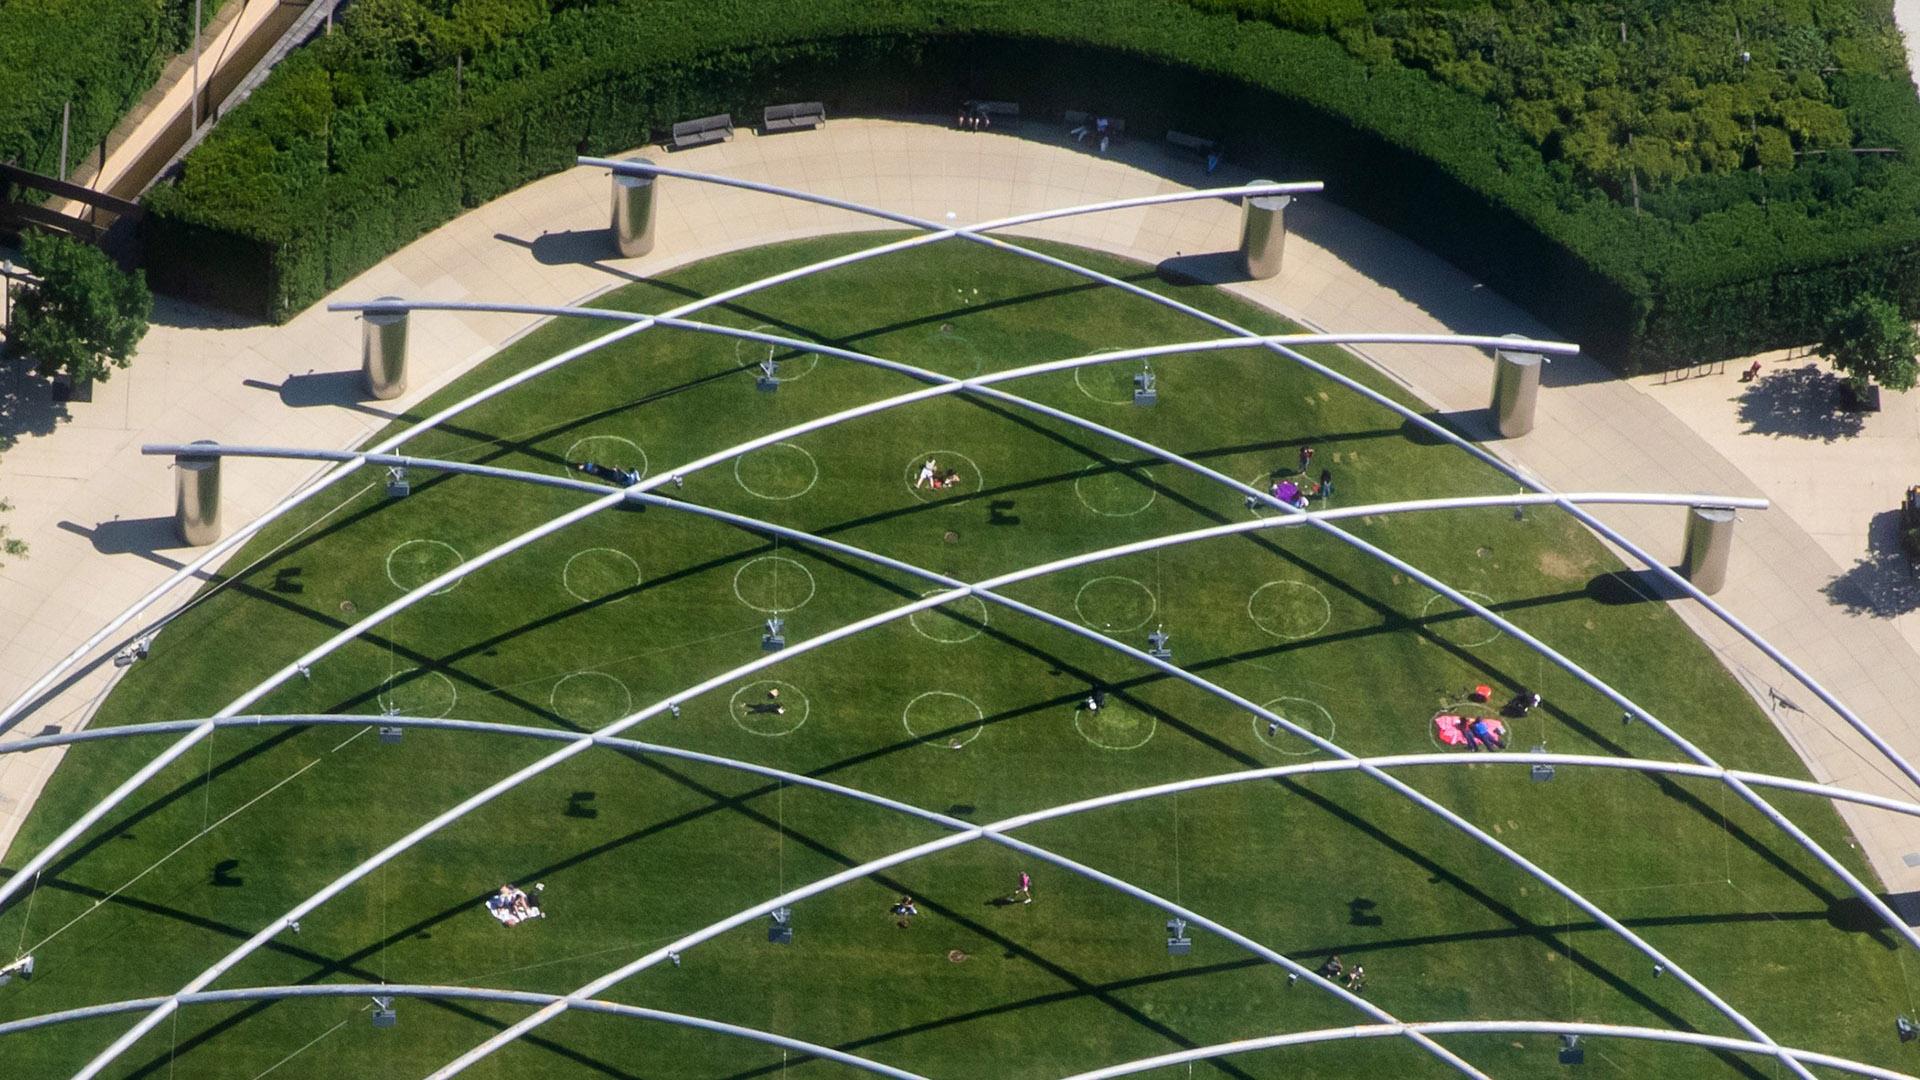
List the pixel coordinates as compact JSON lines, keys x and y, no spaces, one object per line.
{"x":1305,"y":712}
{"x":590,"y":697}
{"x":431,"y":695}
{"x":1286,"y":612}
{"x":1109,"y":595}
{"x":757,"y":717}
{"x":612,"y":451}
{"x":940,"y":712}
{"x":755,"y":352}
{"x":416,"y":560}
{"x":1116,"y":726}
{"x":1492,"y":632}
{"x":1118,"y":487}
{"x":772,"y":578}
{"x":603,"y":575}
{"x":927,"y":494}
{"x":764,"y":455}
{"x":948,"y":352}
{"x":948,"y":628}
{"x":1102,"y":378}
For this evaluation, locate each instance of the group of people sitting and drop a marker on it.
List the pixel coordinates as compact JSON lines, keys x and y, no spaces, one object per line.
{"x":1099,"y":126}
{"x":1297,"y":492}
{"x":932,"y":476}
{"x":512,"y":906}
{"x":1333,"y":971}
{"x":972,"y":117}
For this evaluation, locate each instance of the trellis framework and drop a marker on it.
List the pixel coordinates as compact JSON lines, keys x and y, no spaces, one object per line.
{"x":1741,"y":783}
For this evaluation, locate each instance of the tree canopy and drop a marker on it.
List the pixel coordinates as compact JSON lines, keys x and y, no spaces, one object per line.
{"x":1871,"y":341}
{"x":84,"y":316}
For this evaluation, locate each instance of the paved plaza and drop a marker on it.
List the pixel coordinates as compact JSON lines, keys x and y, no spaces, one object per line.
{"x":1814,"y":574}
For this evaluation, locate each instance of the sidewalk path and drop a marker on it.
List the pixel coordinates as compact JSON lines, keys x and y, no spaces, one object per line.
{"x":97,"y":513}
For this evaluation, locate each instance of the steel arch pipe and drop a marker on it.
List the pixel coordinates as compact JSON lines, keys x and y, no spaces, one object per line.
{"x":498,"y":552}
{"x":1752,"y":798}
{"x":1332,"y":765}
{"x":1492,"y":1027}
{"x":465,"y":993}
{"x":1752,"y":636}
{"x":26,"y":698}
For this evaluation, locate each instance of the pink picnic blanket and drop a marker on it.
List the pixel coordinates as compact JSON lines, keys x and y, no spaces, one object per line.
{"x":1448,"y":728}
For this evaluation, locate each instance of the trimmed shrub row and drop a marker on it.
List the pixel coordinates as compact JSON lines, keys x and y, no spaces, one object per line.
{"x":346,"y":155}
{"x":100,"y":55}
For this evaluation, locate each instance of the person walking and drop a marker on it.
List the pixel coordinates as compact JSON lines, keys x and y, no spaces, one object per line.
{"x":1306,"y":459}
{"x":1024,"y":893}
{"x":1326,"y":484}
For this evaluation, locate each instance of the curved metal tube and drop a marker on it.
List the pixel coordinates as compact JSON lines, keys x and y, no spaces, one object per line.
{"x":463,"y":993}
{"x":1386,"y":761}
{"x":39,"y":686}
{"x":1453,"y":819}
{"x":950,"y":386}
{"x":1493,"y":1027}
{"x":1660,"y":569}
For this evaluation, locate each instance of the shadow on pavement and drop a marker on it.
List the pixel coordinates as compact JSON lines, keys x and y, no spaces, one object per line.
{"x":1803,"y":403}
{"x":26,"y":402}
{"x":1883,"y":582}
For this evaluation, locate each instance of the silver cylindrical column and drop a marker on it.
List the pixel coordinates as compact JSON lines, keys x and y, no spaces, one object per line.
{"x":1263,"y":233}
{"x":1516,"y":386}
{"x":1709,"y":545}
{"x":633,"y":213}
{"x":196,"y":497}
{"x":383,"y":352}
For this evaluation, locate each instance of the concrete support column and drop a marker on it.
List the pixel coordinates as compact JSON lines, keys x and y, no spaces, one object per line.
{"x":1516,"y":387}
{"x":633,"y":213}
{"x":1709,"y":546}
{"x":383,"y":352}
{"x":1263,"y":233}
{"x":196,"y":497}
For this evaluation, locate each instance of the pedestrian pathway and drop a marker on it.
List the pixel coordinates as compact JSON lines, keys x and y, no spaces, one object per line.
{"x":97,"y":513}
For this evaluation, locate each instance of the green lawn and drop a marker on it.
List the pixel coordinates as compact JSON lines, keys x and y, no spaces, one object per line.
{"x":626,"y":608}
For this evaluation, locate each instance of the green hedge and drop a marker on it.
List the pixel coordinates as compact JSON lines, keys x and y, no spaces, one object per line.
{"x":101,"y":55}
{"x":348,"y":153}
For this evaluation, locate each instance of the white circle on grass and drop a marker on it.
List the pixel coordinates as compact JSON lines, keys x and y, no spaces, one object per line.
{"x":1305,"y":712}
{"x":782,"y":450}
{"x":1114,"y":586}
{"x":948,"y":351}
{"x":603,"y":564}
{"x":775,"y":724}
{"x":1103,"y":373}
{"x":612,"y":451}
{"x":431,"y":695}
{"x":771,"y":574}
{"x":1115,"y":725}
{"x":945,"y":628}
{"x":590,"y":697}
{"x":1293,"y":604}
{"x":417,"y":560}
{"x":754,"y":351}
{"x":1107,"y":488}
{"x":1492,"y":632}
{"x":933,"y":708}
{"x":941,"y":457}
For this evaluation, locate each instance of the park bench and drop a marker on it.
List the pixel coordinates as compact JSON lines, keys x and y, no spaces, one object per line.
{"x":707,"y":129}
{"x":794,"y":117}
{"x":1001,"y":113}
{"x":1193,"y":144}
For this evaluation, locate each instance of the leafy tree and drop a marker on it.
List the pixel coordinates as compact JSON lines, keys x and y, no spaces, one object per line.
{"x":84,"y":313}
{"x":1869,"y":339}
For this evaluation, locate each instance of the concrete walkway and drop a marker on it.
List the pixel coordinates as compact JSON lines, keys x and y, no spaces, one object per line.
{"x":97,"y":513}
